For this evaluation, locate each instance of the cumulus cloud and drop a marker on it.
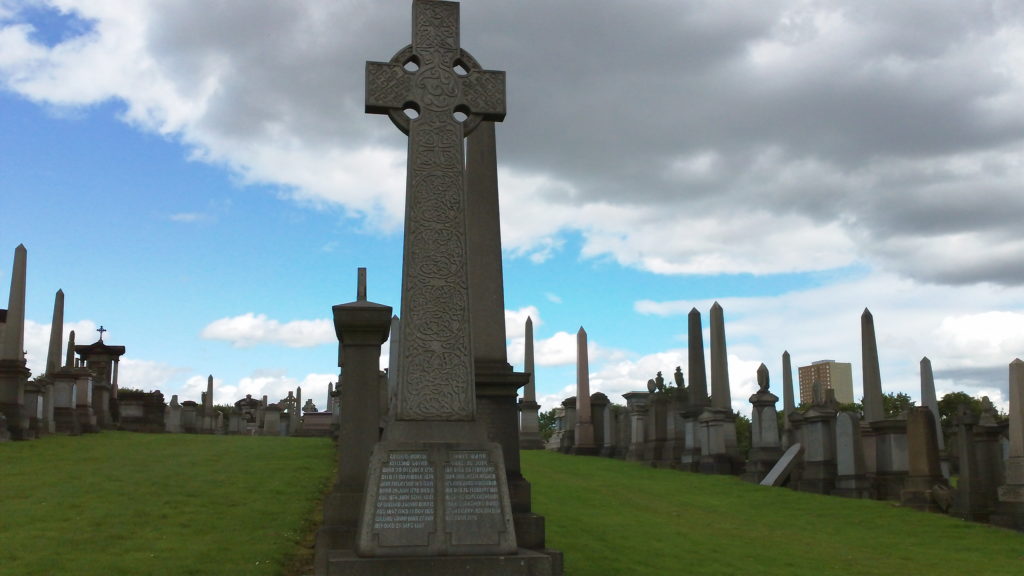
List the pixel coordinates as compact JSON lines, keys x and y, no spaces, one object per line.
{"x":768,"y":137}
{"x":37,"y":341}
{"x":275,"y":384}
{"x":250,"y":329}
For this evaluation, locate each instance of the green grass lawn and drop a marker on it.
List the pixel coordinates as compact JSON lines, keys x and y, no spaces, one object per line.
{"x":118,"y":503}
{"x":613,"y":517}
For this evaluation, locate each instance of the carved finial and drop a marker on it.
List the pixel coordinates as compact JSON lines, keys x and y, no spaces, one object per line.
{"x":361,"y":287}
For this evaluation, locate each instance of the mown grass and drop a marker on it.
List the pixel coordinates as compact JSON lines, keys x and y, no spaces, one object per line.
{"x":613,"y":517}
{"x":123,"y":503}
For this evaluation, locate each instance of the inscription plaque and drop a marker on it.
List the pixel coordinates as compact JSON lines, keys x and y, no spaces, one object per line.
{"x":405,"y":508}
{"x":472,"y":502}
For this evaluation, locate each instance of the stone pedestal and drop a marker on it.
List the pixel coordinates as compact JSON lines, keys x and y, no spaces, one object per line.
{"x":765,"y":444}
{"x":924,"y":473}
{"x":890,"y":446}
{"x":718,"y":442}
{"x":529,"y":432}
{"x":818,"y":438}
{"x":568,"y":438}
{"x":13,"y":375}
{"x":1010,"y":510}
{"x":655,"y":436}
{"x":689,"y":459}
{"x":636,"y":403}
{"x":101,"y":405}
{"x":272,"y":420}
{"x":598,"y":412}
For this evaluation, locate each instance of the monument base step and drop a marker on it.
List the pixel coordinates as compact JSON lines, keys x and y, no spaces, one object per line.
{"x":525,"y":563}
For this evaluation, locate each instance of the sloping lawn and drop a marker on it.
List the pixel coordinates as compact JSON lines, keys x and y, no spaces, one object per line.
{"x":613,"y":517}
{"x":118,"y":503}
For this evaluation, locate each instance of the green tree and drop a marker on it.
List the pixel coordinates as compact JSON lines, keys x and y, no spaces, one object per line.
{"x":896,"y":403}
{"x":742,"y":434}
{"x":949,"y":403}
{"x":546,"y":422}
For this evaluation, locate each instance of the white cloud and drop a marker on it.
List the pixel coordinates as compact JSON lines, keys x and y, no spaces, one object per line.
{"x":250,"y":329}
{"x":148,"y":375}
{"x":37,"y":341}
{"x":187,"y":217}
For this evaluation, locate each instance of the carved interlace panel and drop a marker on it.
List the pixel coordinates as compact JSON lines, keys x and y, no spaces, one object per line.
{"x":436,"y":361}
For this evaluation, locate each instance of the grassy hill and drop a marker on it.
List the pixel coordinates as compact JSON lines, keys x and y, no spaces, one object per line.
{"x":613,"y":517}
{"x":151,"y":504}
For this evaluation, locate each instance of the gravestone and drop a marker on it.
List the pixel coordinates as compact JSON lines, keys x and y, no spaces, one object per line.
{"x":567,"y":440}
{"x":189,"y":417}
{"x":765,"y":444}
{"x":780,"y":473}
{"x":929,"y":400}
{"x":13,"y":371}
{"x":851,"y":476}
{"x":1010,"y":511}
{"x":583,"y":442}
{"x":636,"y":403}
{"x":968,"y":501}
{"x":436,"y":500}
{"x":719,"y":451}
{"x":272,"y":425}
{"x":696,"y":394}
{"x":818,"y":437}
{"x":788,"y":402}
{"x":885,"y":439}
{"x":529,"y":428}
{"x":924,"y":472}
{"x":599,"y":411}
{"x":102,"y":359}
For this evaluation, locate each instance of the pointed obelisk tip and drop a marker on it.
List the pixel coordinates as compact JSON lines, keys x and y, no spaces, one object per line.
{"x":785,"y":353}
{"x":866,"y":314}
{"x":60,"y":292}
{"x":694,"y":311}
{"x":925,"y":360}
{"x":1016,"y":361}
{"x":529,"y":321}
{"x":716,"y":306}
{"x":20,"y":248}
{"x":581,"y":331}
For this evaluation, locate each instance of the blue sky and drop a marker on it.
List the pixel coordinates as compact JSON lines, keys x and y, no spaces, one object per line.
{"x":201,"y":180}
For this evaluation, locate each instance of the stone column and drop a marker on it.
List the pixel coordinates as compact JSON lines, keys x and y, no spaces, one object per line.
{"x":599,"y":412}
{"x":873,"y":406}
{"x":83,"y":396}
{"x":13,"y":372}
{"x":788,"y":402}
{"x":584,"y":441}
{"x":636,"y":403}
{"x":924,"y":471}
{"x":696,"y":394}
{"x":818,"y":434}
{"x":568,"y":439}
{"x":968,"y":503}
{"x":362,"y":328}
{"x":929,"y":400}
{"x":1011,"y":494}
{"x":529,"y":430}
{"x":718,"y":448}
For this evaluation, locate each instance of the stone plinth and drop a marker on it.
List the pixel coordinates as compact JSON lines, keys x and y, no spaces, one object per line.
{"x":817,"y":435}
{"x":599,"y":413}
{"x":636,"y":403}
{"x":655,"y":436}
{"x":718,"y":451}
{"x":13,"y":376}
{"x":924,"y":471}
{"x":529,"y":423}
{"x":142,"y":411}
{"x":765,"y":444}
{"x":689,"y":459}
{"x":890,"y":447}
{"x":568,"y":438}
{"x":1010,"y":512}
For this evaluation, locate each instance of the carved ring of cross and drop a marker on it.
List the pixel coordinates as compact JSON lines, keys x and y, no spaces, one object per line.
{"x":465,"y":59}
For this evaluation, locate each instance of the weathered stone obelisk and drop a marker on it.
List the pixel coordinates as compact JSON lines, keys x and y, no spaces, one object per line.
{"x":718,"y":442}
{"x":13,"y":372}
{"x":529,"y":425}
{"x":885,"y":439}
{"x":931,"y":401}
{"x":496,"y":382}
{"x":436,"y":500}
{"x":697,"y":394}
{"x":584,"y":439}
{"x":788,"y":401}
{"x":53,"y":359}
{"x":1010,"y":509}
{"x":872,"y":377}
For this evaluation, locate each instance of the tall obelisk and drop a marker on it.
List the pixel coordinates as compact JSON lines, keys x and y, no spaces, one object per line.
{"x":584,"y":443}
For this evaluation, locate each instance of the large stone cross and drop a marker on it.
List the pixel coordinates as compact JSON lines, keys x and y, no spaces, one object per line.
{"x":441,"y":83}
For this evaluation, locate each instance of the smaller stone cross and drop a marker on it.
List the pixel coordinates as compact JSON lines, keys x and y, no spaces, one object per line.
{"x":361,"y":285}
{"x":101,"y":330}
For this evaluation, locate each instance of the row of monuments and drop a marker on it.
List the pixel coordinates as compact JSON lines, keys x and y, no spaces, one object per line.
{"x":820,"y":448}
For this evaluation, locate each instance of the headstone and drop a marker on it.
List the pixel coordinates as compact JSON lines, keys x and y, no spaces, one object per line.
{"x":207,"y":416}
{"x":190,"y":418}
{"x":529,"y":424}
{"x":13,"y":371}
{"x":436,"y":494}
{"x":788,"y":402}
{"x":608,"y":427}
{"x":765,"y":444}
{"x":567,"y":440}
{"x":142,"y":411}
{"x":309,"y":406}
{"x":696,"y":396}
{"x":968,"y":503}
{"x":717,"y":422}
{"x":924,"y":471}
{"x":83,"y":391}
{"x":929,"y":400}
{"x":101,"y":359}
{"x":636,"y":403}
{"x":584,"y":440}
{"x":818,"y":437}
{"x":779,"y":473}
{"x":851,"y":476}
{"x":873,"y":406}
{"x":1011,"y":494}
